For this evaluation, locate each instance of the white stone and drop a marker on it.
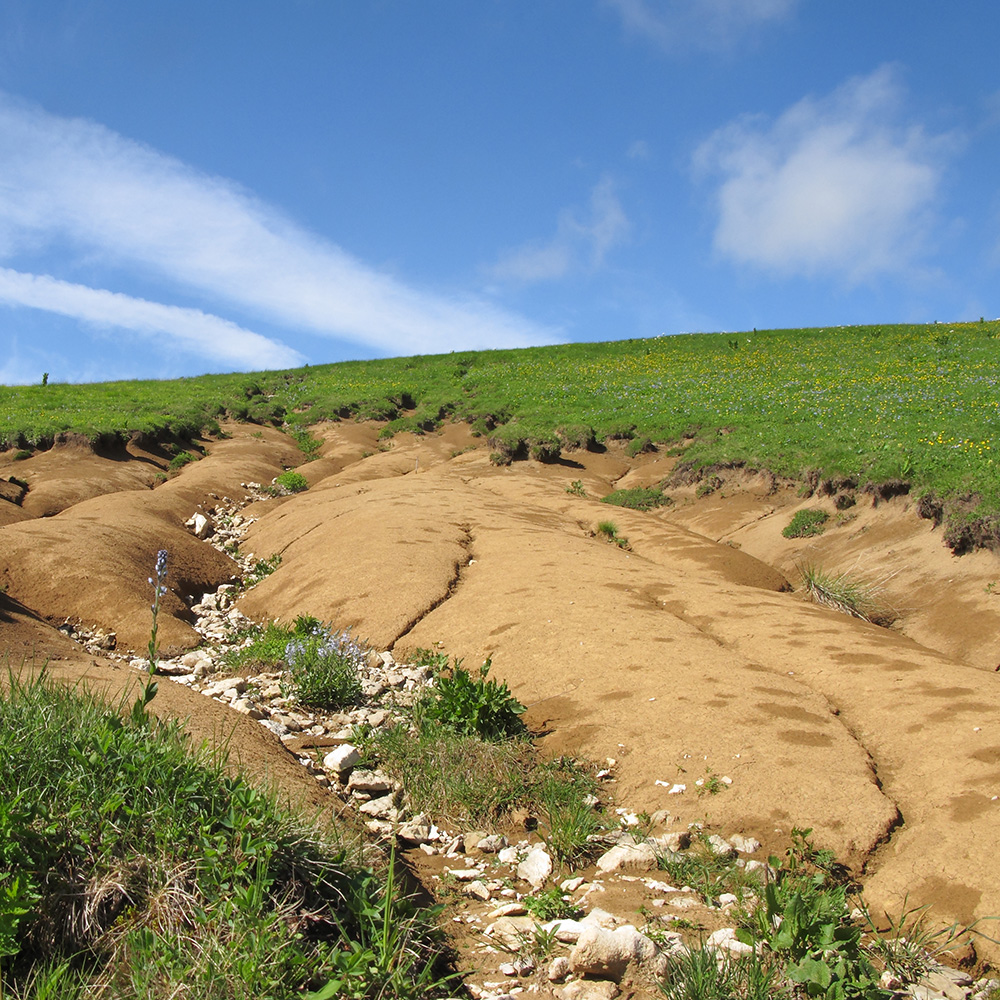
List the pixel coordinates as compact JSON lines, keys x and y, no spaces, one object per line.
{"x":600,"y":952}
{"x":511,"y":933}
{"x":720,"y":846}
{"x":571,"y":884}
{"x":558,"y":969}
{"x":745,"y":845}
{"x":566,"y":931}
{"x":536,"y":867}
{"x":725,"y":939}
{"x":476,"y":890}
{"x":342,"y":758}
{"x":464,"y":874}
{"x":628,"y":858}
{"x":380,"y":808}
{"x":602,"y":989}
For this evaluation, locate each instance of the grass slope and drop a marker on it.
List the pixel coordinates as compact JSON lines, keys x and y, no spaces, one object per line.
{"x":918,"y":403}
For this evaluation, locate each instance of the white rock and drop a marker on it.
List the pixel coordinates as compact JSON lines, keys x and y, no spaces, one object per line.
{"x":509,"y":910}
{"x":464,"y":874}
{"x":725,"y":939}
{"x":727,"y":899}
{"x":536,"y":867}
{"x":369,"y":781}
{"x":476,"y":890}
{"x":567,"y":931}
{"x":745,"y":845}
{"x":415,"y":833}
{"x":720,"y":846}
{"x":558,"y":969}
{"x":380,"y":808}
{"x":342,"y":758}
{"x":602,"y":989}
{"x":628,"y":858}
{"x":511,"y":933}
{"x":508,"y":856}
{"x":600,"y":952}
{"x":571,"y":884}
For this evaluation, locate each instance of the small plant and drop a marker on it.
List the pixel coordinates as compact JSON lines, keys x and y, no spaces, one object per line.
{"x":45,"y":378}
{"x":158,"y":582}
{"x":708,"y":486}
{"x":20,"y":456}
{"x":471,"y":706}
{"x":848,"y":594}
{"x":325,"y":666}
{"x":641,"y":498}
{"x":576,"y":488}
{"x":289,"y":482}
{"x":549,"y":904}
{"x":711,"y":784}
{"x":570,"y":822}
{"x":262,"y":568}
{"x":609,"y":530}
{"x":991,"y":587}
{"x":181,"y":459}
{"x":639,"y":446}
{"x":806,"y":523}
{"x":435,"y":659}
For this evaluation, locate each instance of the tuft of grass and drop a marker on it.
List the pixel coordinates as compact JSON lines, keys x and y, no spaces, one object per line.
{"x":806,"y":523}
{"x":848,"y":594}
{"x":181,"y":459}
{"x":324,"y":666}
{"x":262,"y":568}
{"x":609,"y":531}
{"x":640,"y":498}
{"x":22,"y":454}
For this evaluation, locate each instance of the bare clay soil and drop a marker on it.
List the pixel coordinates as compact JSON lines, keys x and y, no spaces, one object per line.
{"x":688,"y":653}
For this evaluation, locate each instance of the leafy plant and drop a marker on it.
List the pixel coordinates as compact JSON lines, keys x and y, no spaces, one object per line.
{"x":576,"y":488}
{"x":639,"y":446}
{"x":848,"y":594}
{"x":181,"y":459}
{"x":549,"y":904}
{"x":640,"y":498}
{"x":806,"y":523}
{"x":472,"y":706}
{"x":289,"y":482}
{"x":262,"y":569}
{"x":22,"y":454}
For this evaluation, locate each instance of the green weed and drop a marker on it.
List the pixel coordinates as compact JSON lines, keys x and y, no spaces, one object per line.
{"x":289,"y":482}
{"x":609,"y":531}
{"x":181,"y":459}
{"x":262,"y":569}
{"x":640,"y":498}
{"x":806,"y":523}
{"x":472,"y":706}
{"x":576,"y":488}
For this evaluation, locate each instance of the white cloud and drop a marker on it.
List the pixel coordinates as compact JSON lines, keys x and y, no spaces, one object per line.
{"x":833,"y":185}
{"x":81,"y":187}
{"x":210,"y":337}
{"x":577,"y":243}
{"x":707,"y":24}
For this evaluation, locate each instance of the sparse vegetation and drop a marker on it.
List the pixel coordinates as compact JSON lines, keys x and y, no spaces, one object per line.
{"x":848,"y":594}
{"x":609,"y":531}
{"x":806,"y":523}
{"x":576,"y":488}
{"x":181,"y":459}
{"x":639,"y":498}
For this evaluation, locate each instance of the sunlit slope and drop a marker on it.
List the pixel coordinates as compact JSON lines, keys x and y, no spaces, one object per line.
{"x":916,"y":403}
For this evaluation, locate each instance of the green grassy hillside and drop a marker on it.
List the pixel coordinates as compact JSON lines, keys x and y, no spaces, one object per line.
{"x":919,"y":404}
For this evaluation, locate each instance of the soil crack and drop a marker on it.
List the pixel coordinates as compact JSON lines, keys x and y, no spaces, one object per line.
{"x":466,"y":543}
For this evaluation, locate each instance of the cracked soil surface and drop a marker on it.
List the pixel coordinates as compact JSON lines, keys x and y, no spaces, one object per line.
{"x":684,"y":655}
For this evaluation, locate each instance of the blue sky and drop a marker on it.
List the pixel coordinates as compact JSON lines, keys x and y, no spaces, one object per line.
{"x":189,"y":187}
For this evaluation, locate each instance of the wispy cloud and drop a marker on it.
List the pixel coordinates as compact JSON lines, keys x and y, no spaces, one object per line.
{"x":705,"y":24}
{"x":77,"y":186}
{"x":212,"y":338}
{"x":833,"y":185}
{"x":578,"y":243}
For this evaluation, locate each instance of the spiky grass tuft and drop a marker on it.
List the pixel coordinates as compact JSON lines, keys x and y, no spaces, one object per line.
{"x":848,"y":594}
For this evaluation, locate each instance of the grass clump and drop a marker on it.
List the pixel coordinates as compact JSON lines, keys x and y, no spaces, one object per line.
{"x":609,"y":531}
{"x":806,"y":523}
{"x":181,"y":459}
{"x":640,"y":498}
{"x":262,"y":569}
{"x":848,"y":594}
{"x":131,"y":863}
{"x":289,"y":482}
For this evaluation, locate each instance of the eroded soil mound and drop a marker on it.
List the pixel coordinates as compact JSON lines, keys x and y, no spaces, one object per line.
{"x":678,"y":655}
